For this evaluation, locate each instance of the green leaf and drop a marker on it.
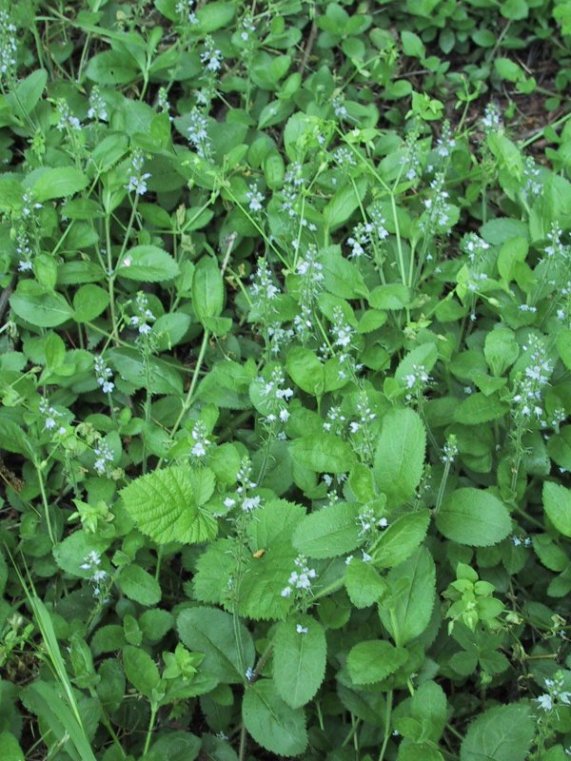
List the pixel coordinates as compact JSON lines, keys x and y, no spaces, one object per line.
{"x":212,"y":632}
{"x":89,"y":301}
{"x":138,"y":585}
{"x":374,"y":660}
{"x":399,"y":457}
{"x":306,"y":371}
{"x":500,"y":350}
{"x":167,"y":505}
{"x":406,"y":612}
{"x":557,"y":505}
{"x":412,"y":45}
{"x":148,"y":264}
{"x":140,"y":670}
{"x":207,"y":289}
{"x":345,"y":201}
{"x":111,"y":68}
{"x":272,"y":723}
{"x":299,"y":657}
{"x":215,"y":15}
{"x":364,"y":584}
{"x":10,"y":749}
{"x":25,"y":96}
{"x":323,"y":453}
{"x":474,"y":517}
{"x":400,"y":539}
{"x":56,"y":182}
{"x":45,"y":309}
{"x":502,"y":733}
{"x":479,"y":408}
{"x":329,"y":532}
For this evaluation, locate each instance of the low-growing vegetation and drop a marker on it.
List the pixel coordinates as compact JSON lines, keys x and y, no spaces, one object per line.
{"x":285,"y":378}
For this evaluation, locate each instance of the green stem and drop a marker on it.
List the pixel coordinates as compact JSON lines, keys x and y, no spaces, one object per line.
{"x":388,"y":712}
{"x":154,"y":709}
{"x":45,"y":502}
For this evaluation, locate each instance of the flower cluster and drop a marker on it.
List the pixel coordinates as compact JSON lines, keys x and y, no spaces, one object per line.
{"x":300,"y":579}
{"x":335,"y":421}
{"x":276,"y":395}
{"x":51,"y":417}
{"x":97,"y":106}
{"x":311,"y":271}
{"x":66,"y":120}
{"x":24,"y":251}
{"x":529,"y":386}
{"x":200,"y":439}
{"x":247,"y":502}
{"x":450,"y":450}
{"x":555,"y":696}
{"x":263,"y":287}
{"x":474,"y":247}
{"x":255,"y":199}
{"x":416,"y":381}
{"x":211,"y":57}
{"x":437,"y":206}
{"x":103,"y":458}
{"x":104,"y":375}
{"x":197,"y":133}
{"x":368,"y":521}
{"x":143,"y":318}
{"x":532,"y":185}
{"x":492,"y":119}
{"x":98,"y":577}
{"x":8,"y":45}
{"x":185,"y":10}
{"x":137,"y":178}
{"x":445,"y":143}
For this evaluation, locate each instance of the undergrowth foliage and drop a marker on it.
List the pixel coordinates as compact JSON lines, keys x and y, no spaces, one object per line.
{"x":285,"y":374}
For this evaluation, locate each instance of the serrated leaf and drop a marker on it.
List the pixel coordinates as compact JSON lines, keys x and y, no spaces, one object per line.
{"x":262,"y":582}
{"x":329,"y":532}
{"x":57,"y":182}
{"x":323,"y":453}
{"x":364,"y":584}
{"x":140,"y":670}
{"x":557,"y":505}
{"x":272,"y":723}
{"x":479,"y":408}
{"x":399,"y":456}
{"x":299,"y":658}
{"x":374,"y":660}
{"x":474,"y":517}
{"x":167,"y":505}
{"x":148,"y":264}
{"x":216,"y":562}
{"x":211,"y":631}
{"x":502,"y":733}
{"x":406,"y":612}
{"x":400,"y":539}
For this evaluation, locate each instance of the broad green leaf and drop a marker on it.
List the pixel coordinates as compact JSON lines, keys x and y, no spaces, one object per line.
{"x":399,"y":457}
{"x":111,"y":67}
{"x":215,"y":15}
{"x":56,"y":182}
{"x":138,"y":585}
{"x":89,"y":301}
{"x":474,"y":517}
{"x":140,"y":670}
{"x":45,"y":309}
{"x":272,"y":723}
{"x":207,"y":289}
{"x":148,"y":264}
{"x":406,"y":611}
{"x":306,"y":371}
{"x":212,"y":632}
{"x":479,"y":408}
{"x":167,"y":505}
{"x":10,"y":749}
{"x":364,"y":584}
{"x":374,"y":660}
{"x":500,"y":349}
{"x":400,"y":539}
{"x":157,"y":375}
{"x":24,"y":97}
{"x":424,"y":356}
{"x":429,"y":706}
{"x":323,"y":453}
{"x":329,"y":532}
{"x":557,"y":505}
{"x":299,"y":657}
{"x":502,"y":733}
{"x":345,"y":201}
{"x":216,"y":562}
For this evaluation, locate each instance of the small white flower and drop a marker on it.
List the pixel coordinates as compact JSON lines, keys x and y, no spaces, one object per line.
{"x":301,"y":629}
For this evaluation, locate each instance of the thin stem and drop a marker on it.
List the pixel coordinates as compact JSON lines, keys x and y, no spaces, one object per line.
{"x":45,"y":503}
{"x":388,"y":712}
{"x":154,"y":709}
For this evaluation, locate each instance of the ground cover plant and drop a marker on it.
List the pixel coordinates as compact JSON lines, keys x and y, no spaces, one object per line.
{"x":285,"y":378}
